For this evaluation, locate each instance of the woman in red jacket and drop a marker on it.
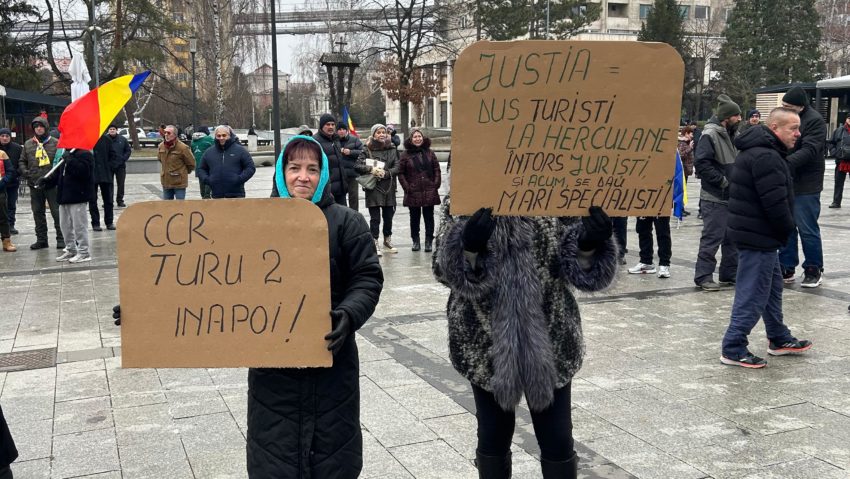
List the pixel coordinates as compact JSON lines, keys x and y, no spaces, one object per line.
{"x":419,"y":175}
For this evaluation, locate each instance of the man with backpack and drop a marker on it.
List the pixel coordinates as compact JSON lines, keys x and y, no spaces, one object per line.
{"x":840,"y":147}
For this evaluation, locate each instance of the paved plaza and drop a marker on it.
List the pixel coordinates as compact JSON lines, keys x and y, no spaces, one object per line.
{"x":652,"y":400}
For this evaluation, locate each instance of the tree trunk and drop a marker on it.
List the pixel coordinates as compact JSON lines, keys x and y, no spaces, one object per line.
{"x":130,"y":113}
{"x":219,"y":88}
{"x":404,"y":116}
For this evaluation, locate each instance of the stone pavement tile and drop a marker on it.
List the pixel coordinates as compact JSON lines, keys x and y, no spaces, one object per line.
{"x":523,"y":464}
{"x":80,"y":367}
{"x":102,"y":475}
{"x":420,"y":459}
{"x":737,"y":401}
{"x":84,"y":453}
{"x":142,"y":424}
{"x":642,"y":459}
{"x":159,"y":457}
{"x":227,"y":378}
{"x":29,"y":395}
{"x":368,"y":351}
{"x":378,"y":462}
{"x":6,"y":345}
{"x":182,"y":378}
{"x":133,"y":387}
{"x":810,"y":468}
{"x":787,"y":418}
{"x":613,"y":381}
{"x":389,"y":373}
{"x":458,"y":431}
{"x":424,"y":401}
{"x":194,"y":403}
{"x":428,"y":335}
{"x":214,"y":445}
{"x":35,"y":469}
{"x":587,"y":426}
{"x":731,"y":458}
{"x":81,"y":385}
{"x":828,"y":443}
{"x":33,"y":438}
{"x":237,"y":404}
{"x":387,"y":420}
{"x":82,"y":415}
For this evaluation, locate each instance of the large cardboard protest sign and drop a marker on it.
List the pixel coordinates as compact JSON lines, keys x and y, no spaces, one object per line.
{"x":224,"y":283}
{"x":554,"y":127}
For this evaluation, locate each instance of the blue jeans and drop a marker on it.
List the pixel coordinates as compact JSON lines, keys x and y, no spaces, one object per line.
{"x":174,"y":193}
{"x":806,"y":213}
{"x":758,"y":293}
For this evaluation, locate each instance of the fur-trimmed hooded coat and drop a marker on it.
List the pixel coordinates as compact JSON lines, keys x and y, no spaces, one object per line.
{"x":514,"y":325}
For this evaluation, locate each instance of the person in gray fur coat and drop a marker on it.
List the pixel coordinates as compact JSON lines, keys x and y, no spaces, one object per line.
{"x":514,"y":325}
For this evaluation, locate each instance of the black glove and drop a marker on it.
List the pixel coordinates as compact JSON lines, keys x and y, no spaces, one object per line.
{"x":341,"y":329}
{"x":116,"y":313}
{"x":597,"y":229}
{"x":478,"y":230}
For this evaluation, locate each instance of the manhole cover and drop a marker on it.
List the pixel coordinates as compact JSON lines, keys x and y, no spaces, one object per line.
{"x":24,"y":360}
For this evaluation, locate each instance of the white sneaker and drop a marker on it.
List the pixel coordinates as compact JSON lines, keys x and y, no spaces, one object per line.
{"x":378,"y":248}
{"x":663,"y":271}
{"x":66,"y":256}
{"x":80,"y":258}
{"x":642,"y":268}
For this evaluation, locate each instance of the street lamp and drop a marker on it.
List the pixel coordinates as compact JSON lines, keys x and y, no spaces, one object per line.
{"x":193,"y":49}
{"x":286,"y":77}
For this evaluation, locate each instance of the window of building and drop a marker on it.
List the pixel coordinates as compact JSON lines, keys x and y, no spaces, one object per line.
{"x":684,"y":11}
{"x":577,"y":10}
{"x":727,"y":14}
{"x":644,"y":11}
{"x":702,"y":13}
{"x":618,"y":10}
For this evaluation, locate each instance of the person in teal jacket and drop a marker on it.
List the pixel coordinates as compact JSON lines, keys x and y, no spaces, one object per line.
{"x":201,"y":140}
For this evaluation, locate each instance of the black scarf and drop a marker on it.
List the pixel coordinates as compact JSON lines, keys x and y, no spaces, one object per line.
{"x":421,"y":161}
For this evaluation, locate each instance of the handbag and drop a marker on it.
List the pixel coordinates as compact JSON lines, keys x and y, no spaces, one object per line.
{"x":367,"y":181}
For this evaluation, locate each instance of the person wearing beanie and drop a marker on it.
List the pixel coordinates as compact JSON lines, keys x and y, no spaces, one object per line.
{"x":74,"y":181}
{"x":13,"y":151}
{"x":352,"y":149}
{"x":807,"y":164}
{"x":122,"y":150}
{"x":7,"y":173}
{"x":383,"y":164}
{"x":753,"y":119}
{"x":326,"y":136}
{"x":713,"y":160}
{"x":36,"y":160}
{"x":201,"y":141}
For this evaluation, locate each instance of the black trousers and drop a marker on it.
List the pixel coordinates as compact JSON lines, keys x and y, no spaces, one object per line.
{"x":12,"y":203}
{"x":426,"y":213}
{"x":5,"y":228}
{"x":553,"y":426}
{"x":840,"y":176}
{"x":621,"y":229}
{"x":106,"y":194}
{"x":38,"y":198}
{"x":662,"y":232}
{"x":120,"y":176}
{"x":376,"y":213}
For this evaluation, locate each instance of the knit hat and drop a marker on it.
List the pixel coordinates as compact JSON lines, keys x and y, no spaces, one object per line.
{"x":796,"y":96}
{"x":325,"y":119}
{"x":5,"y":131}
{"x":726,"y":108}
{"x":414,"y":130}
{"x":752,"y":112}
{"x":40,"y":121}
{"x":376,"y":127}
{"x":204,"y":129}
{"x":112,"y":125}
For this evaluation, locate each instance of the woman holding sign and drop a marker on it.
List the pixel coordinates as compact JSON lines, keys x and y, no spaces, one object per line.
{"x":306,"y":422}
{"x":514,"y":325}
{"x":381,"y":161}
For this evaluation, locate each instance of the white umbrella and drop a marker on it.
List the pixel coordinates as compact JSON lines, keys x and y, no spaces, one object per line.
{"x":80,"y":77}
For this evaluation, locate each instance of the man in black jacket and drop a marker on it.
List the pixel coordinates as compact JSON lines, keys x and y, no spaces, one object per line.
{"x":840,"y":150}
{"x":713,"y":161}
{"x":807,"y":166}
{"x":226,"y":166}
{"x":105,"y":161}
{"x":760,"y":219}
{"x":351,"y":148}
{"x":326,"y":136}
{"x":122,"y":153}
{"x":13,"y":151}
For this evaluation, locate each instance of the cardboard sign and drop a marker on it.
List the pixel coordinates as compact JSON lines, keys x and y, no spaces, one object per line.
{"x":224,"y":283}
{"x":554,"y":127}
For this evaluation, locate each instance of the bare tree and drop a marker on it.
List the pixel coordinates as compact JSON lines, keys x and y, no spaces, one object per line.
{"x":835,"y":39}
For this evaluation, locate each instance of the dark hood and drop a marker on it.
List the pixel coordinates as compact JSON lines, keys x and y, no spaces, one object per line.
{"x":760,"y":136}
{"x":409,"y":146}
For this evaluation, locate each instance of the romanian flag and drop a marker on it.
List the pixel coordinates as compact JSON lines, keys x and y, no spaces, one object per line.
{"x":680,"y":188}
{"x":84,"y":120}
{"x":346,"y":120}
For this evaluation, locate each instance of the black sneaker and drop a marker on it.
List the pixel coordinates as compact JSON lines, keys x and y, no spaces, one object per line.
{"x":60,"y":244}
{"x":750,"y":361}
{"x":796,"y":346}
{"x":121,"y":204}
{"x":110,"y":227}
{"x":709,"y":286}
{"x":835,"y":205}
{"x":13,"y":231}
{"x":96,"y":228}
{"x":729,"y":283}
{"x":788,"y":276}
{"x":39,"y":245}
{"x":812,"y":278}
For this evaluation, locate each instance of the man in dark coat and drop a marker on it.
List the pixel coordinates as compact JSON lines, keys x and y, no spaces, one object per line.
{"x":326,"y":136}
{"x":807,"y":165}
{"x":36,"y":160}
{"x":226,"y":166}
{"x":761,"y":217}
{"x":840,"y":151}
{"x":713,"y":161}
{"x":105,"y":162}
{"x":352,"y":149}
{"x":13,"y":151}
{"x":304,"y":423}
{"x":122,"y":154}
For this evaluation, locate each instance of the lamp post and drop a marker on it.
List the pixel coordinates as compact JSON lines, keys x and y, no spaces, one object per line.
{"x":286,"y":77}
{"x":275,"y":121}
{"x":193,"y":49}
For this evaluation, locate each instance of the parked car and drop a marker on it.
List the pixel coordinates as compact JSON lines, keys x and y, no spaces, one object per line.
{"x":145,"y":139}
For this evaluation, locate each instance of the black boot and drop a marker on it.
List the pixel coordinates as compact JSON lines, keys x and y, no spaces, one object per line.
{"x":429,"y":245}
{"x":416,"y":246}
{"x":493,"y":467}
{"x":560,"y":469}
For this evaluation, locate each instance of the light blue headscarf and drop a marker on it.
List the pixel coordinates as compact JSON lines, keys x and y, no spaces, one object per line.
{"x":279,"y":178}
